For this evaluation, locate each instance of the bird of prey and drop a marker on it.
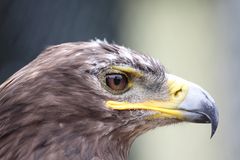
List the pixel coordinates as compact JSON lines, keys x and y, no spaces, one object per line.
{"x":90,"y":100}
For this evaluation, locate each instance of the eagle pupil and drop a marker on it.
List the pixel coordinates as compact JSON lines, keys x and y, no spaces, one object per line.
{"x":117,"y":79}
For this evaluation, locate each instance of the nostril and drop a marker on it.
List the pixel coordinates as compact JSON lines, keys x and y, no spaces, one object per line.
{"x":178,"y":92}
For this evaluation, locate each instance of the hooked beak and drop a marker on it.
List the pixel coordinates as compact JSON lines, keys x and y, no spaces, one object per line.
{"x":187,"y":102}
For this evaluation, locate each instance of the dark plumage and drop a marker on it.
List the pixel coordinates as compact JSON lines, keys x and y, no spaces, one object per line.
{"x":57,"y":106}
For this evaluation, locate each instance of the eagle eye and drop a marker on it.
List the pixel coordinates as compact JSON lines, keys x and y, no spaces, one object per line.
{"x":117,"y":82}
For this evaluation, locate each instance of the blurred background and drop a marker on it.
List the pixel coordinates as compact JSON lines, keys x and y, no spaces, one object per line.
{"x":197,"y":40}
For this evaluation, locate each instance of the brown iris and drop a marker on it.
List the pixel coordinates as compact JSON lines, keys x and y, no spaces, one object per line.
{"x":116,"y":82}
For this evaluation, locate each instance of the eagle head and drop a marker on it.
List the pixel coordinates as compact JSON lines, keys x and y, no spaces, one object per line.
{"x":90,"y":100}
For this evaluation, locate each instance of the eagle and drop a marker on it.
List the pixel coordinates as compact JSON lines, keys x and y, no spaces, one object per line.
{"x":90,"y":101}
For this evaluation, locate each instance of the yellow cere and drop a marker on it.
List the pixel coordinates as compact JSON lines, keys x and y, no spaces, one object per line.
{"x":167,"y":108}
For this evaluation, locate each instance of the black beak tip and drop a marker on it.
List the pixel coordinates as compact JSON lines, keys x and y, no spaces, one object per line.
{"x":211,"y":113}
{"x":208,"y":114}
{"x":214,"y":122}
